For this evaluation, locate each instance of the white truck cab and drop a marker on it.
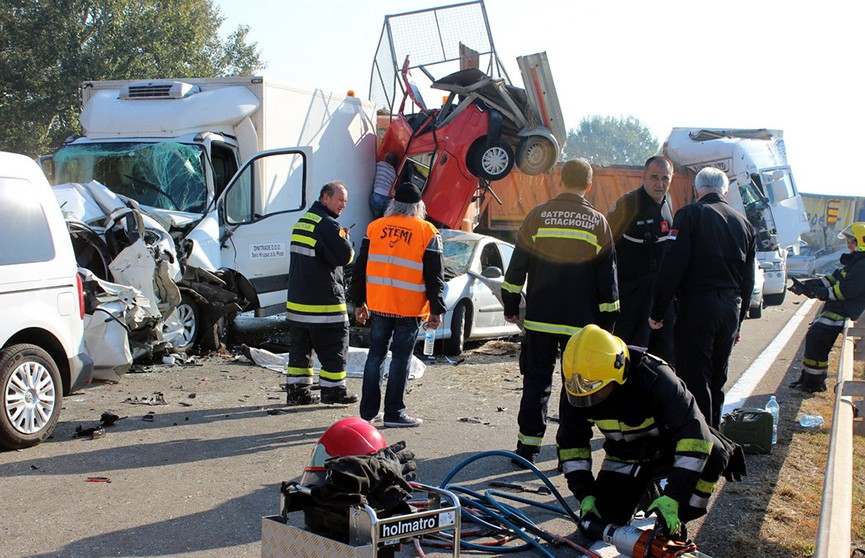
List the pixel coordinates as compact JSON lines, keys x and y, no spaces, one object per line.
{"x":227,"y":165}
{"x":761,"y":187}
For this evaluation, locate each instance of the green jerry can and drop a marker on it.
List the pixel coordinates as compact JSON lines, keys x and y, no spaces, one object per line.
{"x":749,"y":427}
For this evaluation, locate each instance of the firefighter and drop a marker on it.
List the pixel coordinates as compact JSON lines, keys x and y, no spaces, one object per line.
{"x":317,"y":314}
{"x":641,"y":221}
{"x":709,"y":267}
{"x":565,"y":255}
{"x":652,"y":428}
{"x":844,"y":293}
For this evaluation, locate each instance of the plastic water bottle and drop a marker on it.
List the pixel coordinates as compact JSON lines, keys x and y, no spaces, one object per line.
{"x":773,"y":407}
{"x":428,"y":340}
{"x":811,"y":421}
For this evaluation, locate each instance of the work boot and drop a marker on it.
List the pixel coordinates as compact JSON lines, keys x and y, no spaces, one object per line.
{"x":337,"y":396}
{"x":810,"y":383}
{"x":526,"y":453}
{"x":300,"y":395}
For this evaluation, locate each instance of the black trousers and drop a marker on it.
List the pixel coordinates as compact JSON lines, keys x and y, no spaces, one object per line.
{"x":632,"y":325}
{"x":538,"y":356}
{"x":818,"y":344}
{"x":706,"y":326}
{"x":330,"y":345}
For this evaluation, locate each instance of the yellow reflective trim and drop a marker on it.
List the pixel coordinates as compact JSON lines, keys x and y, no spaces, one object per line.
{"x":644,"y":425}
{"x":332,"y":376}
{"x":315,"y":308}
{"x":511,"y":288}
{"x":560,"y":329}
{"x":308,"y":227}
{"x":294,"y":371}
{"x":705,"y":487}
{"x":696,"y":445}
{"x":530,"y":440}
{"x":585,"y":236}
{"x":609,"y":307}
{"x":303,"y":239}
{"x":312,"y":217}
{"x":608,"y":424}
{"x":568,"y":454}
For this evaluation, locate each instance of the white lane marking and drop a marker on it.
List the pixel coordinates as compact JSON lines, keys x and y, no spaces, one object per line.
{"x":747,"y":382}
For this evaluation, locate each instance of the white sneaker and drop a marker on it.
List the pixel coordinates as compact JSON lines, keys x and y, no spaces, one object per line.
{"x":404,"y":421}
{"x":378,"y":418}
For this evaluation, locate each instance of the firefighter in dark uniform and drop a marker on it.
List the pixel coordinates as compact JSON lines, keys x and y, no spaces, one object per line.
{"x":709,"y":267}
{"x":844,"y":293}
{"x":317,"y":314}
{"x":652,"y":428}
{"x":565,"y":253}
{"x":641,"y":221}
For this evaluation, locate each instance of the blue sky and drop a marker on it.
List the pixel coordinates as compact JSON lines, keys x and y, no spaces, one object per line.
{"x":737,"y":64}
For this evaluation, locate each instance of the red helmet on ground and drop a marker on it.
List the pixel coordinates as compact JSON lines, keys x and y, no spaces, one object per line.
{"x":349,"y":436}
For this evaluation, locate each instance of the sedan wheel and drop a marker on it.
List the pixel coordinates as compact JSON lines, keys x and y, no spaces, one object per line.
{"x":32,"y":396}
{"x":186,"y":315}
{"x":460,"y":330}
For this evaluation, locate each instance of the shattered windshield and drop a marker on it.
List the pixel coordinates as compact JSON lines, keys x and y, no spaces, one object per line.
{"x":457,"y":256}
{"x":165,"y":175}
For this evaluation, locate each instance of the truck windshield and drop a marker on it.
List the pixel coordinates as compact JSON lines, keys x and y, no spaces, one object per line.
{"x":758,"y":214}
{"x":776,"y":184}
{"x":164,"y":175}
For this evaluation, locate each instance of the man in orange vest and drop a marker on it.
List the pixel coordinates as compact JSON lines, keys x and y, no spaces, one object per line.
{"x":398,"y":283}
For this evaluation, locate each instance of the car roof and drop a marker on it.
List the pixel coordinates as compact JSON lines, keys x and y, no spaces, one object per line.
{"x":454,"y":234}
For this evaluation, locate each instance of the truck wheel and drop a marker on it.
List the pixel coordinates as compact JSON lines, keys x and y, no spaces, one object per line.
{"x":776,"y":299}
{"x":189,"y":319}
{"x":536,"y":154}
{"x":32,"y":396}
{"x":460,"y":330}
{"x":492,"y":162}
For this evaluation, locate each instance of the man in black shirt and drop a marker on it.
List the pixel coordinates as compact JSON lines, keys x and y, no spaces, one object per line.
{"x":709,"y":267}
{"x":641,"y":221}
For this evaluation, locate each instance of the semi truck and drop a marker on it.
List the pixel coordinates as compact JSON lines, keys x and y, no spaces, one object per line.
{"x":227,"y":166}
{"x":761,"y":187}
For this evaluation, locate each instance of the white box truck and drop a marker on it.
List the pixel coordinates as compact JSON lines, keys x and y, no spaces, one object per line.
{"x":761,"y":186}
{"x":227,"y":165}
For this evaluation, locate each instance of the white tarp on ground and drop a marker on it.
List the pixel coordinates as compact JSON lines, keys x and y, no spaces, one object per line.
{"x":353,"y":366}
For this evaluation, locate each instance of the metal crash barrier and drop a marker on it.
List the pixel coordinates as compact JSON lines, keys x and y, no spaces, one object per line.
{"x":833,"y":531}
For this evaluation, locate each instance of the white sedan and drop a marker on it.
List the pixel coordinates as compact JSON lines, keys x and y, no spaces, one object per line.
{"x":474,"y":271}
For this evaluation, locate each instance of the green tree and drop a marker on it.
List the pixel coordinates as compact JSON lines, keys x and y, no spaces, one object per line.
{"x":607,"y":140}
{"x":48,"y":47}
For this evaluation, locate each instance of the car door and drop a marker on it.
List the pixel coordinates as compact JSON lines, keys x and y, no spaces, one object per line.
{"x":488,"y":310}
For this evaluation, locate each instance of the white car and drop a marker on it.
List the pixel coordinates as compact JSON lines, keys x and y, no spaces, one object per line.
{"x":42,"y":355}
{"x":474,"y":272}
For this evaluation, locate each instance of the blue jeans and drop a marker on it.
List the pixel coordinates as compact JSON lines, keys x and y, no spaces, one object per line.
{"x":401,"y":334}
{"x":378,"y":204}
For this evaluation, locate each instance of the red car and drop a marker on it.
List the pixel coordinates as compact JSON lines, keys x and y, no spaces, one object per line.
{"x":480,"y":132}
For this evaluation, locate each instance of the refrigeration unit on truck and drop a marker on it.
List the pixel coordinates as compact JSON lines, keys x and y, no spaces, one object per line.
{"x":761,"y":186}
{"x":227,"y":166}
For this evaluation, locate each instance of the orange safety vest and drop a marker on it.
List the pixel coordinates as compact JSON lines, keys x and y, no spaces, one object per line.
{"x":394,"y":269}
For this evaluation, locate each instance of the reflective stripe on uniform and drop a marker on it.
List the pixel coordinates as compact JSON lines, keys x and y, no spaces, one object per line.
{"x":641,"y":241}
{"x":705,"y":487}
{"x":378,"y":258}
{"x":511,"y":288}
{"x":309,"y":241}
{"x":318,"y":319}
{"x":332,"y":376}
{"x":689,"y":463}
{"x":570,"y":234}
{"x":389,"y":282}
{"x":695,"y":445}
{"x":316,"y":308}
{"x":835,"y":292}
{"x":699,"y":502}
{"x":567,"y":454}
{"x":530,"y":440}
{"x":312,"y":217}
{"x":609,"y":306}
{"x":308,"y":227}
{"x":576,"y":465}
{"x":620,"y":467}
{"x":302,"y":250}
{"x":560,"y":329}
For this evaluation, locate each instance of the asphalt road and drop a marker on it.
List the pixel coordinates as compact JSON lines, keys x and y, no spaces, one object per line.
{"x":193,"y":477}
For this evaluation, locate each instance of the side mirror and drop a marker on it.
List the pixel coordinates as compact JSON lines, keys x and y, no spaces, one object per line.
{"x":492,"y":272}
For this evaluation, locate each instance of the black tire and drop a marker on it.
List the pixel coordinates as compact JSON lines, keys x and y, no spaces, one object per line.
{"x":190,"y":320}
{"x":32,"y":396}
{"x":492,"y":162}
{"x":536,"y":155}
{"x":776,"y":299}
{"x":460,"y":330}
{"x":756,"y":312}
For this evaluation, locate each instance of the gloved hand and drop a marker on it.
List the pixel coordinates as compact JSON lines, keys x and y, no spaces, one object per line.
{"x":797,"y":287}
{"x":404,"y":456}
{"x":668,"y":513}
{"x":735,"y":469}
{"x":588,"y":505}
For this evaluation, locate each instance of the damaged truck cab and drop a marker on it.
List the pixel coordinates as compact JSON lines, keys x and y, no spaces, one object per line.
{"x":226,"y":166}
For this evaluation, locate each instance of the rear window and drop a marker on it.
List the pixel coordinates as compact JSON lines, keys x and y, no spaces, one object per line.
{"x":24,"y":231}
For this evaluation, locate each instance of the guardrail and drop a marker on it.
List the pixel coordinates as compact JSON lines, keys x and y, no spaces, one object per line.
{"x":833,"y":531}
